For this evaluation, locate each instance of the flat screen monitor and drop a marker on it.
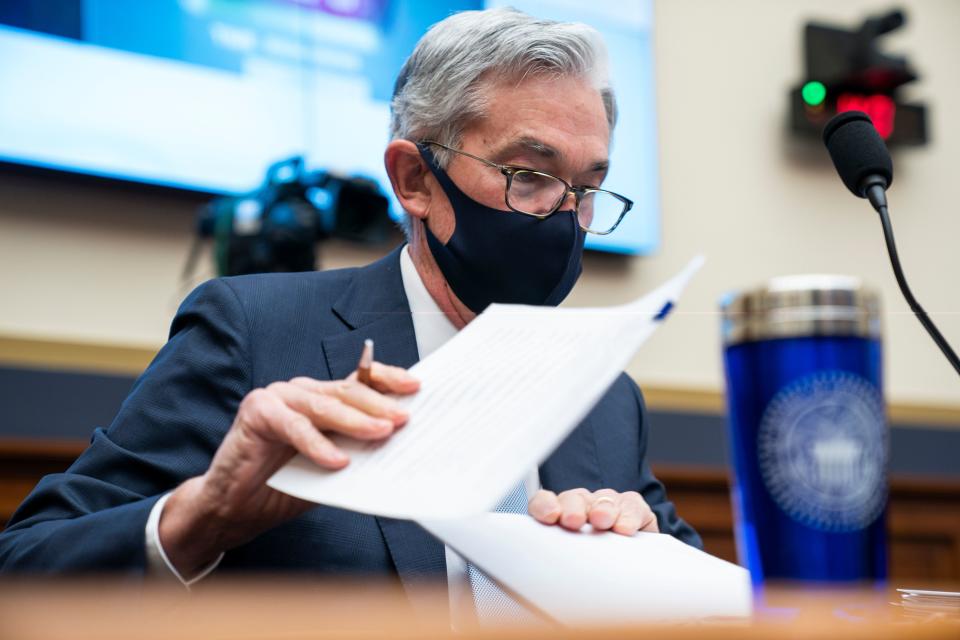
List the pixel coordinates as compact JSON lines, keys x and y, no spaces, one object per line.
{"x":206,"y":94}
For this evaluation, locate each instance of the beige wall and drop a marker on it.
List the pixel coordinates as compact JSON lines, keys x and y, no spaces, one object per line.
{"x":85,"y":262}
{"x":97,"y":264}
{"x":759,"y":204}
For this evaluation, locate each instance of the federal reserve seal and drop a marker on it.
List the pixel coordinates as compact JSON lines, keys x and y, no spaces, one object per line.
{"x":822,"y":447}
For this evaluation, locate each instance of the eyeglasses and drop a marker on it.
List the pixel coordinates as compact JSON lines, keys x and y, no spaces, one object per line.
{"x":538,"y":194}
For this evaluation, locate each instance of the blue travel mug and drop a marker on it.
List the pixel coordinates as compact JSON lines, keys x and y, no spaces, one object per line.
{"x":807,"y":428}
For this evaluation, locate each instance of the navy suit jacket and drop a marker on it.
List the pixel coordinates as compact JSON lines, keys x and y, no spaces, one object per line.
{"x":233,"y":335}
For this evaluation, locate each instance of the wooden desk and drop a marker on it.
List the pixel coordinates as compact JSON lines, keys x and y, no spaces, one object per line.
{"x":270,"y":608}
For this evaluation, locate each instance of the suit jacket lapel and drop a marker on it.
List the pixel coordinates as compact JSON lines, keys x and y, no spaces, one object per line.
{"x":419,"y":558}
{"x":374,"y":305}
{"x":393,"y":339}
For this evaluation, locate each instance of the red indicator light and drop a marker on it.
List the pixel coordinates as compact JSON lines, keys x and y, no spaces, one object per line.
{"x":881,"y":109}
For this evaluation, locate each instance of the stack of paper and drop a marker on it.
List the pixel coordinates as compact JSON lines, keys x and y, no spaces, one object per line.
{"x":495,"y":401}
{"x":921,"y":604}
{"x":585,"y":577}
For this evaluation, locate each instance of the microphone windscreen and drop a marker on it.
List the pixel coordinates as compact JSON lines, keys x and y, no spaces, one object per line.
{"x":857,"y":150}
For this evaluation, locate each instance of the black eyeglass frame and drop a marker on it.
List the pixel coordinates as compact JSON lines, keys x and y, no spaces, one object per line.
{"x":509,"y":172}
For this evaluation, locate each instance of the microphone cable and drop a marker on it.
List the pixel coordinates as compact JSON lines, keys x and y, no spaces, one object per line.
{"x":880,"y":205}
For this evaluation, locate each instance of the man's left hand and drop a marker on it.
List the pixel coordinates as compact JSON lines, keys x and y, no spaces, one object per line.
{"x":605,"y":510}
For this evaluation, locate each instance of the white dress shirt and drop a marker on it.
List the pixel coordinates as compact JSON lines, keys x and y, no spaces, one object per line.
{"x":432,"y":329}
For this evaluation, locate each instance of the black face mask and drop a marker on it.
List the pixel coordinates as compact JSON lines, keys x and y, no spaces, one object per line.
{"x":504,"y":256}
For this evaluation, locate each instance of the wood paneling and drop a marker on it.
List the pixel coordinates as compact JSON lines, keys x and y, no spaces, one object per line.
{"x":923,"y":519}
{"x":24,"y":462}
{"x":924,"y":514}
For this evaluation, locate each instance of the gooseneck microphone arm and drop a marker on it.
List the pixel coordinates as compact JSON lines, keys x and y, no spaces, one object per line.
{"x":864,"y":165}
{"x":878,"y":198}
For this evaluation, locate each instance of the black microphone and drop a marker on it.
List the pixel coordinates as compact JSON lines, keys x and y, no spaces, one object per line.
{"x":860,"y":156}
{"x":864,"y":165}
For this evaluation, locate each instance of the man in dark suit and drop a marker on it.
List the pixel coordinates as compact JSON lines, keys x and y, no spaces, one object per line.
{"x":498,"y":119}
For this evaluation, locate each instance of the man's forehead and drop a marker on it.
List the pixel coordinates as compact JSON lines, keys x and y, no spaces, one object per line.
{"x":532,"y":144}
{"x":557,"y":119}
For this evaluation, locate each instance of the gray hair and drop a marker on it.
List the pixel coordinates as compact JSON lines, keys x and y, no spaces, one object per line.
{"x":440,"y":89}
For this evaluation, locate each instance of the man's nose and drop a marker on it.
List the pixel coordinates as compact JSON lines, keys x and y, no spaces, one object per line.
{"x":569,"y":202}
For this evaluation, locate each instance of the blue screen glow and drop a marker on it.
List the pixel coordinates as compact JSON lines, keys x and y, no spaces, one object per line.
{"x":205,"y":94}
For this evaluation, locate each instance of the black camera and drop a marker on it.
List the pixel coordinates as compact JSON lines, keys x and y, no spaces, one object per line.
{"x":277,"y":226}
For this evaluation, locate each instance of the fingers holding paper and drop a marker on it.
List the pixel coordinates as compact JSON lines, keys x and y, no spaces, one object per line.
{"x":605,"y":510}
{"x":635,"y":515}
{"x":345,"y":406}
{"x":389,"y":379}
{"x":230,"y":503}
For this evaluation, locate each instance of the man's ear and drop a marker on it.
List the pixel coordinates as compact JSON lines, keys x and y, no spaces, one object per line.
{"x":408,"y":176}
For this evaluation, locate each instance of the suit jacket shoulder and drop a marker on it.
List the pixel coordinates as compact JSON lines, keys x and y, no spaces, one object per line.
{"x":229,"y":336}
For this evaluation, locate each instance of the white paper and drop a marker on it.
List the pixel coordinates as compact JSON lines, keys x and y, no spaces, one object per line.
{"x":494,"y":402}
{"x":589,"y":577}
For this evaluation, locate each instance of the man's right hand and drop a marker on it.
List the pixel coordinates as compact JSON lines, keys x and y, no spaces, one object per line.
{"x":231,"y":504}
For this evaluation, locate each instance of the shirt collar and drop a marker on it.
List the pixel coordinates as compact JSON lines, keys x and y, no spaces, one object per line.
{"x":431,"y":326}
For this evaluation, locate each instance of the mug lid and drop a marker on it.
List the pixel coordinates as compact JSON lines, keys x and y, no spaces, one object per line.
{"x":801,"y":306}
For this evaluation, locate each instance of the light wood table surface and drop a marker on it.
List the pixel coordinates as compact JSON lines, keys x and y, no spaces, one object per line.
{"x":285,"y":609}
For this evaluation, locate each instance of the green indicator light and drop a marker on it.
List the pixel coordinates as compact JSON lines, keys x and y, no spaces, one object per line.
{"x":814,"y":93}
